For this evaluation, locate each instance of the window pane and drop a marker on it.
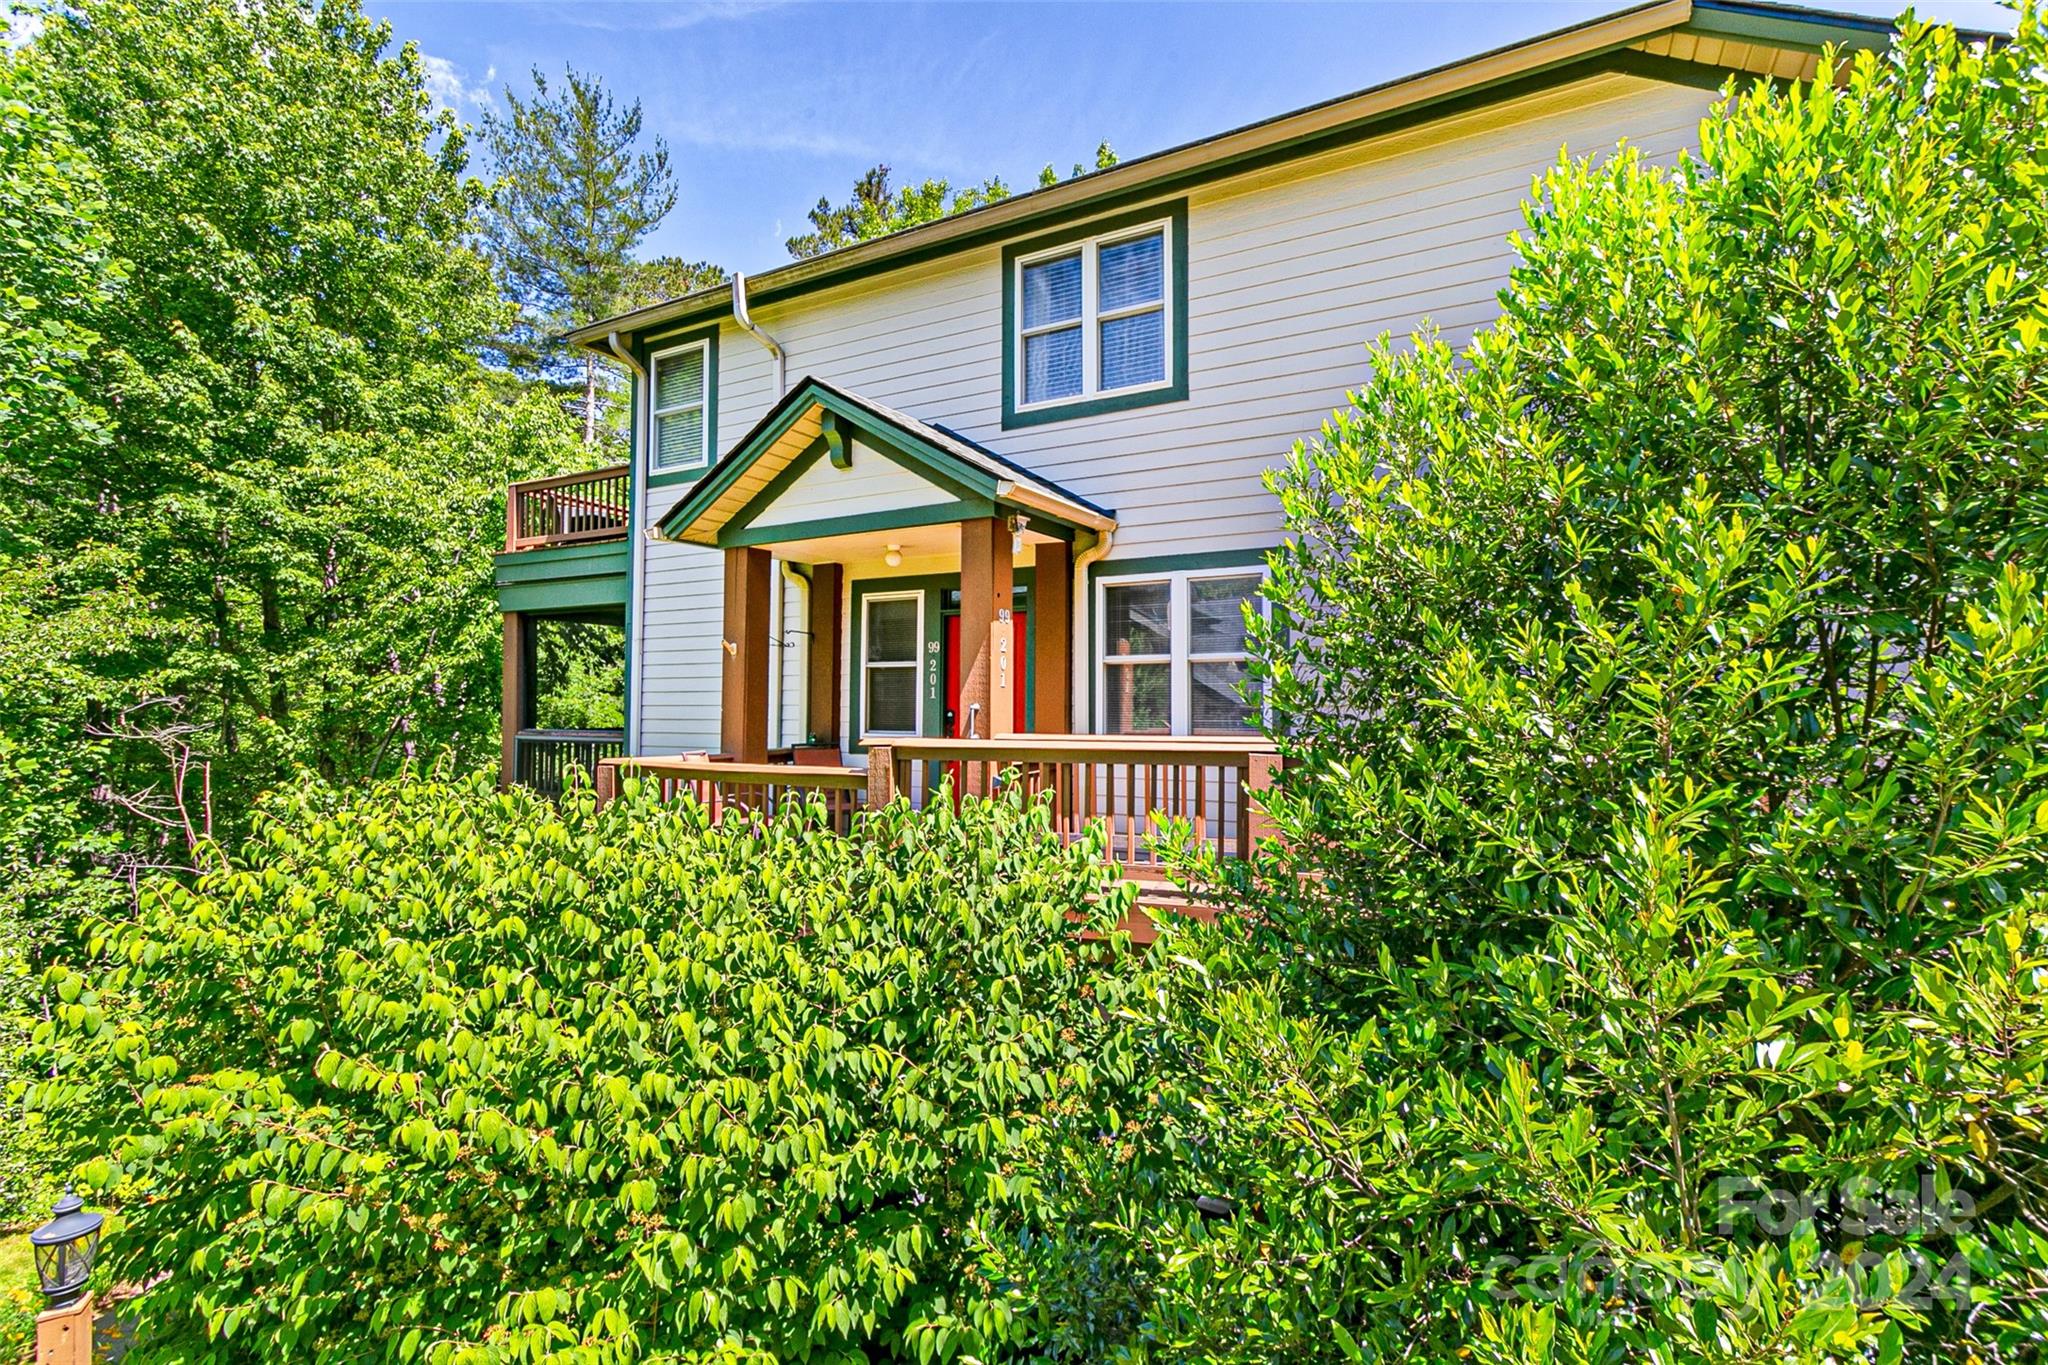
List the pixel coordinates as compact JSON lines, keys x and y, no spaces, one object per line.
{"x":1052,"y":291}
{"x":1138,"y":618}
{"x":892,"y":630}
{"x":1133,"y":272}
{"x":1139,"y":699}
{"x":1052,"y":365}
{"x":1134,"y":350}
{"x":679,"y":440}
{"x":1216,"y":609}
{"x":892,"y":699}
{"x":679,"y":379}
{"x":1218,"y":709}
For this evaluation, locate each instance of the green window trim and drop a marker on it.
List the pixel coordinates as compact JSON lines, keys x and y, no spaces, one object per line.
{"x":1217,"y":562}
{"x":1174,"y":215}
{"x":668,"y":345}
{"x":932,"y":677}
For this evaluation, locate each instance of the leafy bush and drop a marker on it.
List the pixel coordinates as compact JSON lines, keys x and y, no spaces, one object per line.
{"x":1663,"y":678}
{"x":434,"y":1072}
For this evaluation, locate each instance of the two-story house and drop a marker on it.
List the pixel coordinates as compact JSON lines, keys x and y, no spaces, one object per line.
{"x":1000,"y":474}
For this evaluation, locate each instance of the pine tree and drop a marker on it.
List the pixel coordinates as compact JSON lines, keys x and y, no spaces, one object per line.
{"x":578,"y":191}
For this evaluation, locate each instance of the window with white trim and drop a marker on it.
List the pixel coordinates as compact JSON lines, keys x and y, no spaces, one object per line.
{"x":1094,"y":318}
{"x":892,"y":636}
{"x":1172,"y":653}
{"x":680,"y":380}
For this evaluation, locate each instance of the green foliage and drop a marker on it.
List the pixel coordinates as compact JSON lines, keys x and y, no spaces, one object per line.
{"x":1105,"y":157}
{"x":55,"y":274}
{"x":1664,"y":684}
{"x":876,"y":208}
{"x":304,"y":461}
{"x":434,"y":1072}
{"x":579,"y":675}
{"x":576,"y":193}
{"x":259,"y":469}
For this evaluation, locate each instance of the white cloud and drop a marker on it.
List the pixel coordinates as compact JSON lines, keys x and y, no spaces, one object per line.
{"x":19,"y":24}
{"x":681,"y":14}
{"x":451,"y":89}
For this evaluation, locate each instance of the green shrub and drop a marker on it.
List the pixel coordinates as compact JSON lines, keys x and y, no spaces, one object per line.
{"x":433,"y":1072}
{"x":1663,"y":685}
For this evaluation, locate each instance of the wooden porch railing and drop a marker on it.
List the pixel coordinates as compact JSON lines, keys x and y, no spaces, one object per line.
{"x":545,"y":758}
{"x":1130,"y":785}
{"x":568,"y":509}
{"x":722,"y":787}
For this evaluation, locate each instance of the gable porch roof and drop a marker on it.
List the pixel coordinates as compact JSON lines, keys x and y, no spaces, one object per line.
{"x":820,"y":422}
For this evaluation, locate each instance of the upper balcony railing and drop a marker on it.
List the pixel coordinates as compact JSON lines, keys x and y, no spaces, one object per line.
{"x":568,"y":509}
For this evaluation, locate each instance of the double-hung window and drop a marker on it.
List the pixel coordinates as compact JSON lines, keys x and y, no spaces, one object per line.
{"x":1173,"y":654}
{"x":892,"y":630}
{"x":1095,"y":321}
{"x":679,"y":419}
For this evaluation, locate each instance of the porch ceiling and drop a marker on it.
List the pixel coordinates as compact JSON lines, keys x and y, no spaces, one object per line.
{"x":825,"y":464}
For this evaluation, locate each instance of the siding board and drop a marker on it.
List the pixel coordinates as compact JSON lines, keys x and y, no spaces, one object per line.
{"x":1292,"y":271}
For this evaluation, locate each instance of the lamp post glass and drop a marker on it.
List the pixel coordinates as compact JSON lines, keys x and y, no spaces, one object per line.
{"x":65,"y":1248}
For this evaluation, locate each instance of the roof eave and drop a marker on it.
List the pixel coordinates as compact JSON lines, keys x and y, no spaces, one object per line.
{"x":1131,"y":177}
{"x":1789,"y":25}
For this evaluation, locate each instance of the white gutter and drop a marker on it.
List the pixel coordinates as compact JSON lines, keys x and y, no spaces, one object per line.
{"x":746,"y":320}
{"x":1008,"y":490}
{"x":1082,"y":715}
{"x":633,"y":633}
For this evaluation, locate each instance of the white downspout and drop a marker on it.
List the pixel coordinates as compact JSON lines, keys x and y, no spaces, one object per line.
{"x":776,"y":639}
{"x":634,"y":634}
{"x":1082,"y":714}
{"x":792,"y":576}
{"x":746,"y":320}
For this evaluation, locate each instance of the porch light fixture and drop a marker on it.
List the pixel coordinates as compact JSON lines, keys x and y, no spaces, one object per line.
{"x":894,"y":557}
{"x":65,"y":1248}
{"x":1017,"y":525}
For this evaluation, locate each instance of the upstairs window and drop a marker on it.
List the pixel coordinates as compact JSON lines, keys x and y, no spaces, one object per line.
{"x":681,"y":382}
{"x":1095,"y":322}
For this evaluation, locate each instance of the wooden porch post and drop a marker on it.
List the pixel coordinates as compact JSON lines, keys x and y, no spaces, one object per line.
{"x":743,"y":695}
{"x":822,"y":699}
{"x":987,"y":670}
{"x":515,"y":694}
{"x":1052,"y":636}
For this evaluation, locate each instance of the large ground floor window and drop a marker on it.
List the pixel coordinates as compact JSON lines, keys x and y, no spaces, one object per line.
{"x":1172,"y":655}
{"x":892,"y":632}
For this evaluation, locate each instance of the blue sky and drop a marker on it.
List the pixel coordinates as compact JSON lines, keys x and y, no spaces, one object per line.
{"x":766,"y":106}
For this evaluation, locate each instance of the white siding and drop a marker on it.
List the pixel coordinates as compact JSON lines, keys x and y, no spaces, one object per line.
{"x":1292,"y":271}
{"x":679,"y":628}
{"x":872,"y":482}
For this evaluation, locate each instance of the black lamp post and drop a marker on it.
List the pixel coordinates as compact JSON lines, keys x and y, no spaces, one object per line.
{"x":66,"y":1247}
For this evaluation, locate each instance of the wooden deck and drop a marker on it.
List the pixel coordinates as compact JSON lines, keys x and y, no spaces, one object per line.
{"x":1140,"y":791}
{"x":568,"y":509}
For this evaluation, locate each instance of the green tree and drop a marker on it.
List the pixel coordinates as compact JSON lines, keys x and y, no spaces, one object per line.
{"x":1663,"y":679}
{"x":302,"y":464}
{"x":433,"y":1072}
{"x":876,"y":208}
{"x":668,"y":277}
{"x":57,"y":274}
{"x":576,"y":194}
{"x":1105,"y":157}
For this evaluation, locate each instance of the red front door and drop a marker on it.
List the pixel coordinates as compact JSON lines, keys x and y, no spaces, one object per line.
{"x":956,"y":715}
{"x":956,"y":718}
